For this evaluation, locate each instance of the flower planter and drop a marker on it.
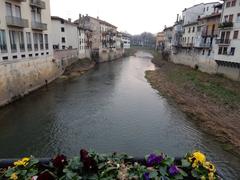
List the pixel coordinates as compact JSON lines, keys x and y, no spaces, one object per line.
{"x":90,"y":165}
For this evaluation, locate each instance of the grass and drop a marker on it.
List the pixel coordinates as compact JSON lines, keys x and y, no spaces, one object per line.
{"x":214,"y":86}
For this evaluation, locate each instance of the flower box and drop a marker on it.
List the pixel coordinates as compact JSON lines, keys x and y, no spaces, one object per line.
{"x":91,"y":165}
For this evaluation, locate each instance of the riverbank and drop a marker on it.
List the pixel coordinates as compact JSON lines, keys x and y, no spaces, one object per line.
{"x":211,"y":100}
{"x":78,"y":68}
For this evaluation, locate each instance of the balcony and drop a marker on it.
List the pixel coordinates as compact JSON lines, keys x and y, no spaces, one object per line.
{"x":223,"y":41}
{"x":19,"y":0}
{"x":209,"y":33}
{"x":39,"y":26}
{"x":17,"y":22}
{"x":225,"y":25}
{"x":38,"y":3}
{"x":205,"y":45}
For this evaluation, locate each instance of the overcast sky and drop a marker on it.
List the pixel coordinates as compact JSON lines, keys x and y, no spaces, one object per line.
{"x":133,"y":16}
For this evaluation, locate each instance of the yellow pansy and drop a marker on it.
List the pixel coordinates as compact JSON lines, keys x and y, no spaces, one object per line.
{"x":211,"y":176}
{"x":209,"y":166}
{"x":203,"y":178}
{"x":22,"y":162}
{"x":200,"y":157}
{"x":14,"y":176}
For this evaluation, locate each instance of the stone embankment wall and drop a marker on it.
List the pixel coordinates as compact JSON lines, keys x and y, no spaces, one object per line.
{"x":109,"y":55}
{"x":205,"y":63}
{"x":20,"y":77}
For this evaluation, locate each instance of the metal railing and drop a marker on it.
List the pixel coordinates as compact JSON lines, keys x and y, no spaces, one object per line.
{"x":38,"y":3}
{"x":16,"y":22}
{"x":39,"y":26}
{"x":223,"y":41}
{"x":225,"y":25}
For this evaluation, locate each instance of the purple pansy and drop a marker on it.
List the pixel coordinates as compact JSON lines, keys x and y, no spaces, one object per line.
{"x":173,"y":170}
{"x":153,"y":159}
{"x":146,"y":176}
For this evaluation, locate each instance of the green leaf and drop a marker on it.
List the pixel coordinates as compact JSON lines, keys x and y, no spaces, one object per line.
{"x":185,"y":163}
{"x":168,"y":161}
{"x":153,"y":174}
{"x":163,"y":170}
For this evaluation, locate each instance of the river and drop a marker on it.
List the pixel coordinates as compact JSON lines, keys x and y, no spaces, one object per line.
{"x":110,"y":108}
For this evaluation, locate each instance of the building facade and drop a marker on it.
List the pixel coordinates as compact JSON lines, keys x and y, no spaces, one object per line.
{"x":64,"y":34}
{"x":25,"y":28}
{"x":228,"y":44}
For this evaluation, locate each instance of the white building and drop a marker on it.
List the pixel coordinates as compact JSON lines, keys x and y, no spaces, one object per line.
{"x":126,"y":41}
{"x":228,"y":44}
{"x":64,"y":34}
{"x":25,"y":26}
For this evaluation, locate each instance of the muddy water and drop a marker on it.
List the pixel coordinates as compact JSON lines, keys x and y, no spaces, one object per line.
{"x":110,"y":108}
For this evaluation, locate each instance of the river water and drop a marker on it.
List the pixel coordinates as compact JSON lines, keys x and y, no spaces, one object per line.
{"x":110,"y":108}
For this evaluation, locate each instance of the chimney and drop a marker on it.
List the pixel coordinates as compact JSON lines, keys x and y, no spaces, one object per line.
{"x":69,"y":20}
{"x":177,"y":17}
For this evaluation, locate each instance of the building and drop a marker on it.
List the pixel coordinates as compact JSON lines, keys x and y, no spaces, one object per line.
{"x":168,"y":38}
{"x":189,"y":35}
{"x":102,"y":39}
{"x":64,"y":34}
{"x":126,"y":39}
{"x":227,"y":53}
{"x":25,"y":27}
{"x":160,"y":38}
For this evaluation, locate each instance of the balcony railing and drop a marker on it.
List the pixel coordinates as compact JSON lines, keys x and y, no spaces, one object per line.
{"x":19,"y":0}
{"x":223,"y":41}
{"x":39,"y":26}
{"x":38,"y":3}
{"x":16,"y":22}
{"x":225,"y":25}
{"x":210,"y":33}
{"x":205,"y":45}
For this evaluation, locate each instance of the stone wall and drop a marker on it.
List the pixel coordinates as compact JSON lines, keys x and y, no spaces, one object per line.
{"x":20,"y":77}
{"x":204,"y":62}
{"x":109,"y":55}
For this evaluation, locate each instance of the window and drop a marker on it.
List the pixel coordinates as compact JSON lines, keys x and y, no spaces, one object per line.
{"x":235,"y":35}
{"x":209,"y":52}
{"x":220,"y":50}
{"x":9,"y":9}
{"x":234,"y":3}
{"x":18,"y":11}
{"x":207,"y":8}
{"x":228,"y":4}
{"x":12,"y":36}
{"x":41,"y":41}
{"x":29,"y":41}
{"x":62,"y":21}
{"x":63,"y":47}
{"x":3,"y":44}
{"x":35,"y":40}
{"x":231,"y":18}
{"x":238,"y":17}
{"x":21,"y":41}
{"x":189,"y":30}
{"x":63,"y":40}
{"x":46,"y":41}
{"x":225,"y":50}
{"x":62,"y":29}
{"x":232,"y":51}
{"x":226,"y":18}
{"x":203,"y":52}
{"x":203,"y":9}
{"x":193,"y":30}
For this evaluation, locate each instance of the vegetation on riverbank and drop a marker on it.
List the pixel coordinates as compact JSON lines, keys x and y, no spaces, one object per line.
{"x":213,"y":101}
{"x":79,"y":67}
{"x":91,"y":165}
